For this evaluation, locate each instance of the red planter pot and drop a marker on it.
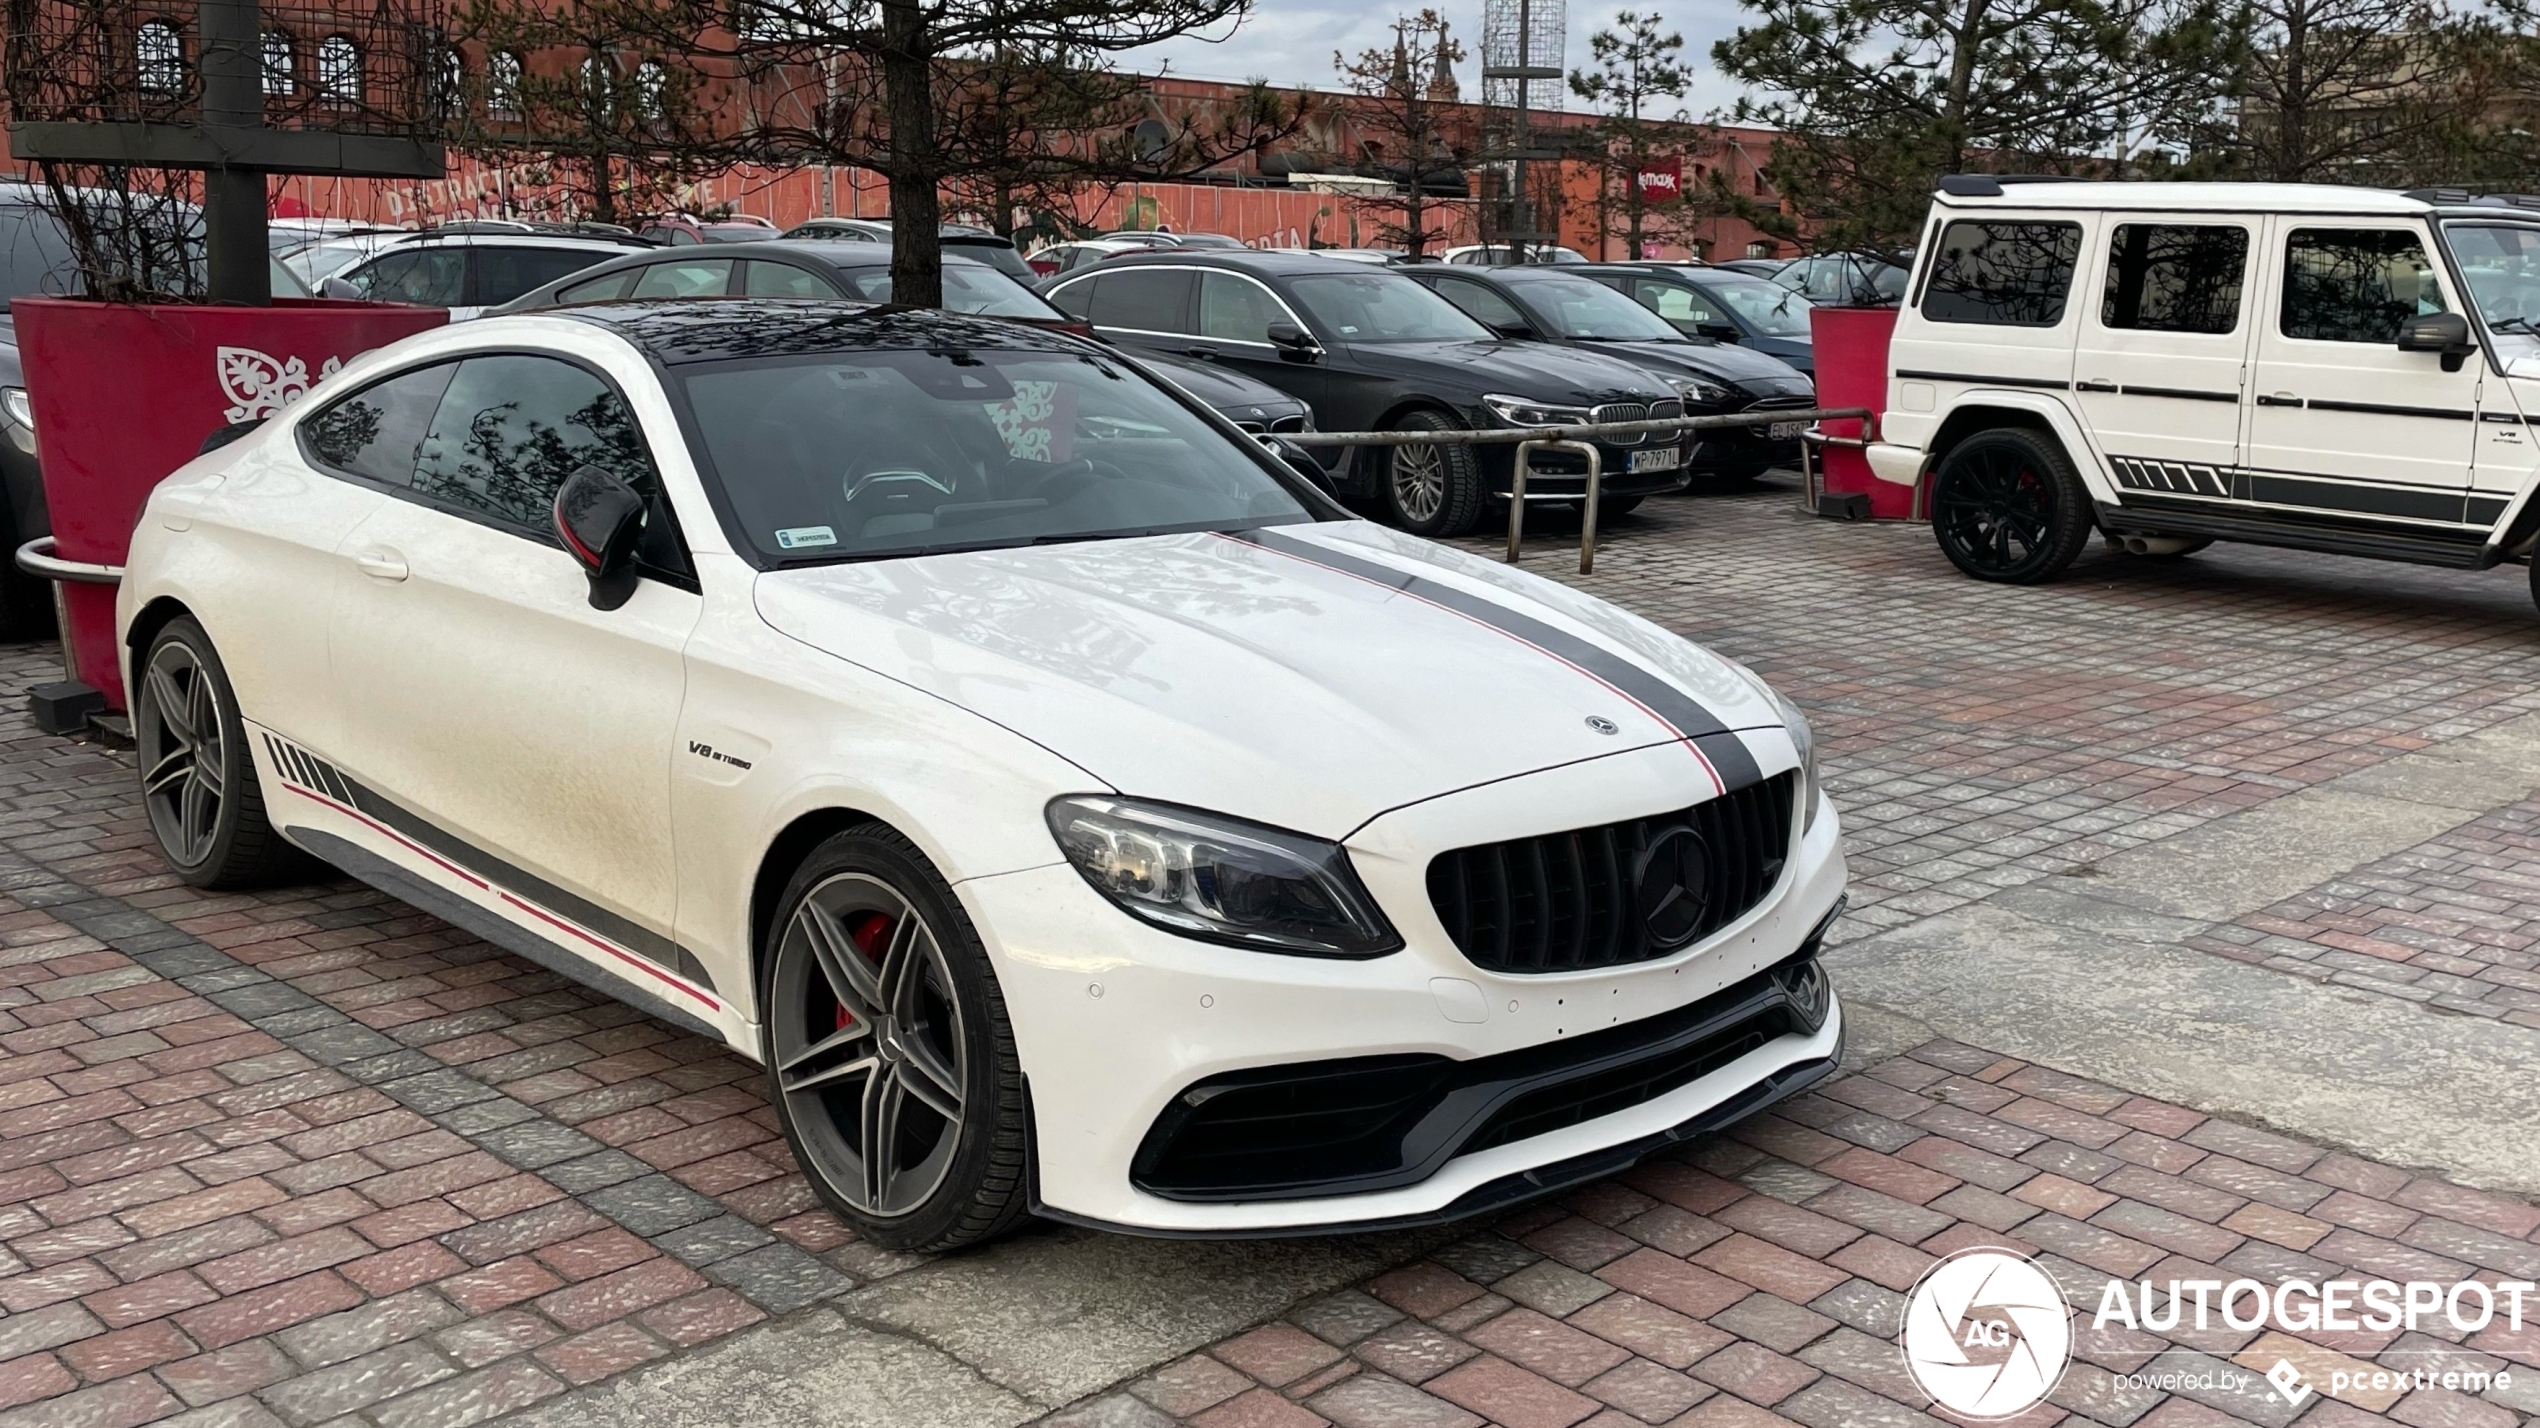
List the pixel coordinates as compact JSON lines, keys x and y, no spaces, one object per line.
{"x":123,"y":395}
{"x":1851,"y":354}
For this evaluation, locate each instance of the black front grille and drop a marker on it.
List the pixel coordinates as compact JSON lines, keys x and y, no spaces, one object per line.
{"x":1567,"y":902}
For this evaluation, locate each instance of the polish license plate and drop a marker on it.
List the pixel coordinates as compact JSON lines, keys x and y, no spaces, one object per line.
{"x":1664,"y":458}
{"x":1785,"y":430}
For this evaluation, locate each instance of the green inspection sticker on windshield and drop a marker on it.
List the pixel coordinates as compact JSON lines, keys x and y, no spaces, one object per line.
{"x":805,"y":537}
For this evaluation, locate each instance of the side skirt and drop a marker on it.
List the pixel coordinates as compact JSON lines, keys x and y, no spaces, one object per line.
{"x":459,"y":912}
{"x":2467,"y":550}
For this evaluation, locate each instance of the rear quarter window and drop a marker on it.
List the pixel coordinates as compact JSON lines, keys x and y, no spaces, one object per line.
{"x":2002,"y":274}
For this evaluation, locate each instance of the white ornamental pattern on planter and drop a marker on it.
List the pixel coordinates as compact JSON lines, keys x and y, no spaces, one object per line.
{"x":258,"y":385}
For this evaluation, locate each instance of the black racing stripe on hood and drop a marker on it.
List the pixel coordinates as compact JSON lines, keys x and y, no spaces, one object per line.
{"x":1725,"y":751}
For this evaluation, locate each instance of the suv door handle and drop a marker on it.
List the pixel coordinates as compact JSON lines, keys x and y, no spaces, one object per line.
{"x":2095,"y":384}
{"x":381,"y":563}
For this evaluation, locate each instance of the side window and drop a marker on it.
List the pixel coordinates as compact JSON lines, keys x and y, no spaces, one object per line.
{"x":1236,"y":309}
{"x":1075,"y":299}
{"x":600,"y":289}
{"x":511,"y":428}
{"x":1675,"y":302}
{"x":2171,"y":277}
{"x":783,"y":280}
{"x":1145,"y":300}
{"x":2002,"y":274}
{"x":697,"y":277}
{"x":2356,"y":284}
{"x":505,"y":273}
{"x":1481,"y":304}
{"x":374,"y":432}
{"x":433,"y":277}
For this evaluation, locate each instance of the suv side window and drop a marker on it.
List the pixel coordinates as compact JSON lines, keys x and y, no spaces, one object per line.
{"x":505,"y":273}
{"x":1481,"y":304}
{"x":2356,"y":284}
{"x":784,"y":280}
{"x":2175,"y":277}
{"x":2002,"y":274}
{"x":431,"y":277}
{"x":1236,"y":309}
{"x":694,"y":277}
{"x":601,"y":289}
{"x":1074,"y":299}
{"x":512,"y":427}
{"x":1143,"y":300}
{"x":374,"y":433}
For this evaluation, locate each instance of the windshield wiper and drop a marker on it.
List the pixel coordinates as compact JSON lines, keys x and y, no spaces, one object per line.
{"x":2501,"y":324}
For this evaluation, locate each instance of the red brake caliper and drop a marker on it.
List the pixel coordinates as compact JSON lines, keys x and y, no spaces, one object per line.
{"x":869,"y":933}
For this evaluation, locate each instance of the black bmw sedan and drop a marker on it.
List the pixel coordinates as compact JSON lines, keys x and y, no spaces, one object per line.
{"x":1372,"y":350}
{"x":1557,"y":306}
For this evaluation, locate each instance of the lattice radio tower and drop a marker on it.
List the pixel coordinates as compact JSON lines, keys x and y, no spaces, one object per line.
{"x":1522,"y":45}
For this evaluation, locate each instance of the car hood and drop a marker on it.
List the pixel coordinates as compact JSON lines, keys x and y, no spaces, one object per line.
{"x":1537,"y":371}
{"x":1307,"y":676}
{"x":1240,"y":397}
{"x":1744,"y":367}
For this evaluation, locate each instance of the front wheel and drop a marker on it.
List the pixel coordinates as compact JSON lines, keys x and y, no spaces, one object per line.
{"x":2007,"y":506}
{"x":198,"y":779}
{"x":1431,"y":488}
{"x":894,"y":1067}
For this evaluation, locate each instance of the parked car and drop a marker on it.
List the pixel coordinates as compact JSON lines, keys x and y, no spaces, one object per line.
{"x":1370,"y":350}
{"x":1700,"y":301}
{"x":1845,"y":279}
{"x":2324,"y":368}
{"x":1061,"y":258}
{"x":1754,"y":267}
{"x":681,"y":229}
{"x":1542,"y":304}
{"x":1500,"y":255}
{"x":824,"y":269}
{"x":1165,"y":238}
{"x":36,"y":260}
{"x":1072,"y":808}
{"x":977,"y":244}
{"x":469,"y":273}
{"x":1363,"y":255}
{"x":316,"y":261}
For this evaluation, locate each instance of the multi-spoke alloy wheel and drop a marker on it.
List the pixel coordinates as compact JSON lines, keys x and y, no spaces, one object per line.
{"x":198,"y":781}
{"x":2007,"y":506}
{"x":1419,"y":482}
{"x":1430,"y":488}
{"x":891,"y":1058}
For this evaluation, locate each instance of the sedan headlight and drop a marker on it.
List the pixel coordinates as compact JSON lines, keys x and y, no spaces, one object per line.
{"x":1518,"y":411}
{"x":1811,"y":790}
{"x":1220,"y":879}
{"x":1701,"y":389}
{"x":13,"y":400}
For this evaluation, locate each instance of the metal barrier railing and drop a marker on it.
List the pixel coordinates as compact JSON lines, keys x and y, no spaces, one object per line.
{"x":1575,"y":439}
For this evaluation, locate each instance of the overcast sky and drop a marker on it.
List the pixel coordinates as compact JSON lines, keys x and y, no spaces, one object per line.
{"x":1291,"y":41}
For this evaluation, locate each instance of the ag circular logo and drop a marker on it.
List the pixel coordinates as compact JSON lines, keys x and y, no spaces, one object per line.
{"x":1673,"y":886}
{"x":1987,"y":1333}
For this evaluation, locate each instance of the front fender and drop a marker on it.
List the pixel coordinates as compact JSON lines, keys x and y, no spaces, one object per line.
{"x":1967,"y":414}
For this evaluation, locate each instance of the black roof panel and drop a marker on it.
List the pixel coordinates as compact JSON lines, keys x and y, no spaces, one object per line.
{"x":681,"y":330}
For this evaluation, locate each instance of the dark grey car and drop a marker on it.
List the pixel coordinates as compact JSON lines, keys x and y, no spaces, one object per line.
{"x":1724,"y":306}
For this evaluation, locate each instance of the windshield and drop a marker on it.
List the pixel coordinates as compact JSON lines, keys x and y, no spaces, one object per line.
{"x":1585,"y":310}
{"x":2500,"y":262}
{"x":858,"y":455}
{"x":1383,"y":307}
{"x":968,"y":287}
{"x":1770,"y":309}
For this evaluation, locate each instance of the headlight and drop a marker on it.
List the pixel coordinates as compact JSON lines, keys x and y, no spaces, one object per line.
{"x":1700,"y":389}
{"x":1221,"y":880}
{"x":1810,"y":790}
{"x":13,"y":400}
{"x":1517,"y":411}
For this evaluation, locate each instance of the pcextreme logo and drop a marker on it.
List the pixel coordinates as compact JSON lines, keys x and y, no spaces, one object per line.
{"x":1987,"y":1333}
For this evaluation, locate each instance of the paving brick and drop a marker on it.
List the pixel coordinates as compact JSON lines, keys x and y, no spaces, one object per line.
{"x":1768,"y":1267}
{"x":1375,"y":1401}
{"x":226,"y":1372}
{"x":1410,"y":1351}
{"x":470,"y":1398}
{"x":1508,"y":1395}
{"x":611,"y":1296}
{"x":1687,"y":1288}
{"x":1754,"y":1373}
{"x":1424,"y":1290}
{"x":127,"y":1351}
{"x":261,"y":1311}
{"x":1546,"y":1346}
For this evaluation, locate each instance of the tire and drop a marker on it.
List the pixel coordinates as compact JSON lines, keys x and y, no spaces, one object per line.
{"x":1431,"y":490}
{"x":2007,"y":506}
{"x":883,"y":1012}
{"x":198,"y":776}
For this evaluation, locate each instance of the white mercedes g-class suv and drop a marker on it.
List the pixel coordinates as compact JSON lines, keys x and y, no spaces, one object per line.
{"x":2333,"y":369}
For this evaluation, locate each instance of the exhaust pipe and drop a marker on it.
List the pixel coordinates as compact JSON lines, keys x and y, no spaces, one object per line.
{"x":2151,"y":545}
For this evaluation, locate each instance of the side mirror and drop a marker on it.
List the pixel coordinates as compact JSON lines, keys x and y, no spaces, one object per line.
{"x":340,"y":288}
{"x":2446,"y":333}
{"x":1295,"y":344}
{"x":600,"y":518}
{"x":1719,"y":331}
{"x":1302,"y":462}
{"x":223,"y":435}
{"x":1511,"y":331}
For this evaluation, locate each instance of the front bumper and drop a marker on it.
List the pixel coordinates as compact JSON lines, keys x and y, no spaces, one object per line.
{"x":1115,"y":1020}
{"x":1562,"y":475}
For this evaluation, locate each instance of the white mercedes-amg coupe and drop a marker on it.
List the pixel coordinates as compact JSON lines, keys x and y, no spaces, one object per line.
{"x":1075,"y":809}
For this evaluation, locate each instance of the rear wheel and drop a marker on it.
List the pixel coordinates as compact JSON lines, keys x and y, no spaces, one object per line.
{"x":1431,"y":488}
{"x":894,"y":1067}
{"x":198,"y":780}
{"x":2007,"y":506}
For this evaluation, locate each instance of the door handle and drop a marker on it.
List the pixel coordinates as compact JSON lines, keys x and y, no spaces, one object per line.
{"x":2094,"y":384}
{"x":1205,"y":354}
{"x":2278,"y":399}
{"x":381,"y":563}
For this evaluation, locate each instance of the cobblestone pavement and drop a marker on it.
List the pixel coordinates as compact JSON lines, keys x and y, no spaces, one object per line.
{"x":310,"y":1156}
{"x":1760,"y":1280}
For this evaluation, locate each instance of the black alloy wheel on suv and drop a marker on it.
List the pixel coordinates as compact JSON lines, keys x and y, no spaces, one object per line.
{"x":2007,"y":506}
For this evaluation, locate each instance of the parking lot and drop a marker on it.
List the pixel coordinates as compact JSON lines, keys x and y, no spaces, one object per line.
{"x":2193,"y":927}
